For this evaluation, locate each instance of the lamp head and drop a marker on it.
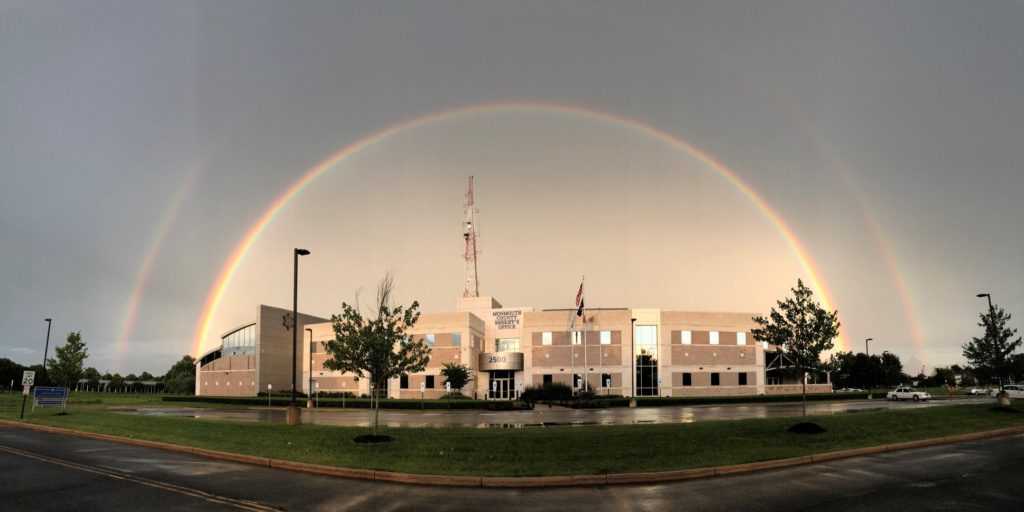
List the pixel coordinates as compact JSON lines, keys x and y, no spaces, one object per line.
{"x":47,"y":320}
{"x":983,"y":295}
{"x":301,"y":252}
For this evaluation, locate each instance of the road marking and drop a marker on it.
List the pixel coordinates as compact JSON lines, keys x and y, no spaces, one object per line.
{"x":118,"y":475}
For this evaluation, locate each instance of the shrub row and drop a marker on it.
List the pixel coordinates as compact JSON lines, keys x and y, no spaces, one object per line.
{"x":358,"y":403}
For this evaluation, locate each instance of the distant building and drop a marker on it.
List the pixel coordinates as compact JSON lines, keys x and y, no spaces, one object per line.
{"x":628,"y":352}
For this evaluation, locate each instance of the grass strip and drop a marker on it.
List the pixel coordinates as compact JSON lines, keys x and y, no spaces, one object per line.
{"x":537,"y":451}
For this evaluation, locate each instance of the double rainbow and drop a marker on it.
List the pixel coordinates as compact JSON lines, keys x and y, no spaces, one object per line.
{"x":216,"y":293}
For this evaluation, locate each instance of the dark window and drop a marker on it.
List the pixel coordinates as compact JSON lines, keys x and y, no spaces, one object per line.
{"x":714,"y":379}
{"x":430,"y":382}
{"x":606,"y":380}
{"x":403,"y":382}
{"x":743,"y":379}
{"x":687,"y":379}
{"x":548,"y":378}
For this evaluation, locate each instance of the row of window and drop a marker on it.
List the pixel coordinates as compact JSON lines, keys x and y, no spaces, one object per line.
{"x":686,"y":337}
{"x":577,"y":337}
{"x":606,"y":379}
{"x":403,"y":382}
{"x":715,"y":379}
{"x":242,"y":341}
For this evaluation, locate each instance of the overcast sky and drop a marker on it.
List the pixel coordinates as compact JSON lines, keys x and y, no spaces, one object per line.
{"x":140,"y":141}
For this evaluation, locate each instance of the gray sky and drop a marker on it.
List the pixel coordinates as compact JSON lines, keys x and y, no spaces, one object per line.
{"x":139,"y":141}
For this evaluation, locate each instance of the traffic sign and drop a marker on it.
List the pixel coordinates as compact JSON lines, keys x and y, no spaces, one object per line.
{"x":28,"y":378}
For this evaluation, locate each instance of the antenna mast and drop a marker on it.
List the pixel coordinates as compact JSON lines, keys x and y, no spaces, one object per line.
{"x":469,"y":234}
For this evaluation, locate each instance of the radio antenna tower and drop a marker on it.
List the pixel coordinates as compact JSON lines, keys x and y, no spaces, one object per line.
{"x":469,"y":234}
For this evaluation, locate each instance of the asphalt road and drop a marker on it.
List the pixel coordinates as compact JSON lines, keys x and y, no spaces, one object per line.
{"x":47,"y":472}
{"x":543,"y":415}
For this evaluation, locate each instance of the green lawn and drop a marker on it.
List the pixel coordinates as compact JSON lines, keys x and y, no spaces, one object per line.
{"x":538,"y":451}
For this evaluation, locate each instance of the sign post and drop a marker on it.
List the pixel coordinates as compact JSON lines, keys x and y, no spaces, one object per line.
{"x":343,"y":394}
{"x":27,"y":379}
{"x":448,"y":393}
{"x":269,"y":387}
{"x":423,"y":387}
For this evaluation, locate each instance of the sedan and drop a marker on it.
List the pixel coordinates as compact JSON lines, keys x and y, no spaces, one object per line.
{"x":908,"y":393}
{"x":1014,"y":390}
{"x":979,"y":391}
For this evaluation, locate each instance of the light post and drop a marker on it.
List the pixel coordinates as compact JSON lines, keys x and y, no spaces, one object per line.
{"x":46,"y":348}
{"x":309,"y":398}
{"x":992,"y":318}
{"x":293,"y":409}
{"x":632,"y":358}
{"x":871,"y":372}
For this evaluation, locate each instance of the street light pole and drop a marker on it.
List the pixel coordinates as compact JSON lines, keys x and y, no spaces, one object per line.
{"x":871,"y":369}
{"x":46,"y":348}
{"x":295,"y":320}
{"x":309,"y":399}
{"x":991,"y":318}
{"x":632,"y":355}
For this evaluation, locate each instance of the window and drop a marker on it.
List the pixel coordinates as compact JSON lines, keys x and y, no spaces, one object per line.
{"x":606,"y":337}
{"x":743,"y":379}
{"x":313,"y":346}
{"x":687,"y":379}
{"x":577,"y":338}
{"x":545,"y":338}
{"x":456,"y":339}
{"x":577,"y":381}
{"x":430,"y":340}
{"x":507,"y":345}
{"x":741,"y":338}
{"x":430,"y":382}
{"x":606,"y":380}
{"x":686,"y":337}
{"x":646,"y":356}
{"x":714,"y":379}
{"x":403,"y":382}
{"x":548,"y":378}
{"x":714,"y":337}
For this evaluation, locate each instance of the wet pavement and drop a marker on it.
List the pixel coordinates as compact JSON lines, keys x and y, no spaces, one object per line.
{"x":543,"y":415}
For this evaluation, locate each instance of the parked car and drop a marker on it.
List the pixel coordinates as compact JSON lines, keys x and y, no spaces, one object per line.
{"x":908,"y":393}
{"x":849,"y":390}
{"x":1014,"y":390}
{"x":979,"y":391}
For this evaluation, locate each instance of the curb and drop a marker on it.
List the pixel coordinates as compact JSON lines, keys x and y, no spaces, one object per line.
{"x":526,"y":481}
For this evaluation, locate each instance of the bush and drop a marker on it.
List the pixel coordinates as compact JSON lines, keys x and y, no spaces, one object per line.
{"x":549,"y":392}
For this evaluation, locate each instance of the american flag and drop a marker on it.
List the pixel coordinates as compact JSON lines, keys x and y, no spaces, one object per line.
{"x":579,"y":301}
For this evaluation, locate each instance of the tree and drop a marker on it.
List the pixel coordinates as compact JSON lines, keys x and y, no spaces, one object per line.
{"x":10,"y":373}
{"x":91,"y":373}
{"x":990,"y":354}
{"x":68,"y":367}
{"x":181,"y":378}
{"x":377,"y":347}
{"x":891,"y":370}
{"x":116,"y":383}
{"x":457,"y":375}
{"x":802,"y":328}
{"x":145,"y":376}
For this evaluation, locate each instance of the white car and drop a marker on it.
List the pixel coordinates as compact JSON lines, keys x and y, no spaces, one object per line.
{"x":979,"y":391}
{"x":1014,"y":390}
{"x":908,"y":393}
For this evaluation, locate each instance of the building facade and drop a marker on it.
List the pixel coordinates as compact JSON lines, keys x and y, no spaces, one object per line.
{"x":613,"y":351}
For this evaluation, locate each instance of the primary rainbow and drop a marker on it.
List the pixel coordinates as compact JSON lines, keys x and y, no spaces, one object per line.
{"x":252,"y":234}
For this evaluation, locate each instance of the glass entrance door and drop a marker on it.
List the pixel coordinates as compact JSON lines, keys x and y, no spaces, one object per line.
{"x":502,"y":384}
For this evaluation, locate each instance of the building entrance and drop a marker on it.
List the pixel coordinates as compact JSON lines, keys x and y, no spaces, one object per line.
{"x":502,"y":384}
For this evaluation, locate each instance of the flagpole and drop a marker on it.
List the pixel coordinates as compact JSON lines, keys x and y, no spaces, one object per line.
{"x":586,"y":365}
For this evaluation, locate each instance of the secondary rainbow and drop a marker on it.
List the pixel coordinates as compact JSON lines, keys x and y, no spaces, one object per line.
{"x":216,"y":293}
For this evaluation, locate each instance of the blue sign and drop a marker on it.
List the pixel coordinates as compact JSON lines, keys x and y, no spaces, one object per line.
{"x":50,"y":392}
{"x":49,"y":396}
